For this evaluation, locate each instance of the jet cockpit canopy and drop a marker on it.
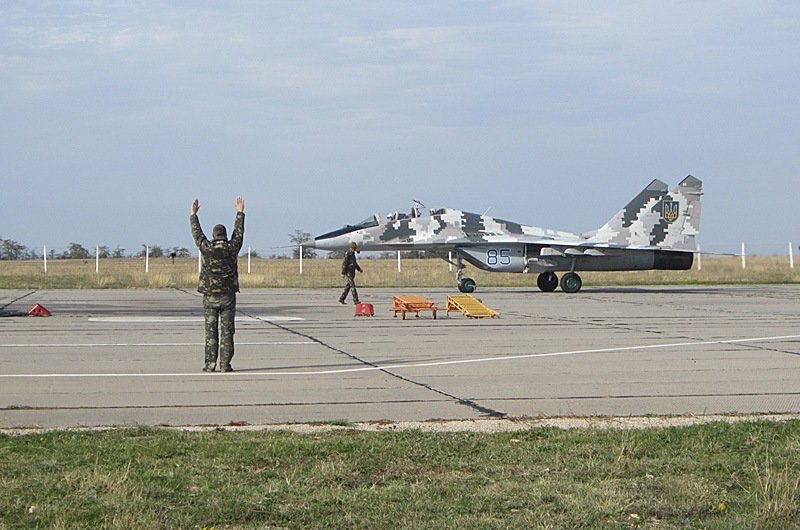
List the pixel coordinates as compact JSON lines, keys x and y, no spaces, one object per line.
{"x":417,"y":210}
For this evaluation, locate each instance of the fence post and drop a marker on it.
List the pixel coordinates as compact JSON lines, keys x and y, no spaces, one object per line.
{"x":744,"y":259}
{"x":44,"y":253}
{"x":97,"y":259}
{"x":146,"y":259}
{"x":791,"y":256}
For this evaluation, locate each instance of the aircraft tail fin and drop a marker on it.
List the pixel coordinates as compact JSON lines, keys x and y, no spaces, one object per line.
{"x":657,"y":217}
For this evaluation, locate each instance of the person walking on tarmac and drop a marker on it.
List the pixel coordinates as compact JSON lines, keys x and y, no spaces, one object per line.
{"x":349,"y":268}
{"x":219,"y":283}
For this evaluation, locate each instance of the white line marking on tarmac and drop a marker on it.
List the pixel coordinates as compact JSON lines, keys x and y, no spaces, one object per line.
{"x":148,"y":344}
{"x":418,"y":365}
{"x":149,"y":319}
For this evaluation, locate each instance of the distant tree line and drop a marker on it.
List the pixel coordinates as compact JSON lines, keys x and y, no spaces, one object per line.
{"x":10,"y":249}
{"x":13,"y":250}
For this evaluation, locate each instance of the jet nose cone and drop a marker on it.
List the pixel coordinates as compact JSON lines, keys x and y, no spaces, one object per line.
{"x":323,"y":243}
{"x":336,"y":240}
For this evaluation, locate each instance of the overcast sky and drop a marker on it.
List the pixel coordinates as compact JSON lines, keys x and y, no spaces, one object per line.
{"x":114,"y":116}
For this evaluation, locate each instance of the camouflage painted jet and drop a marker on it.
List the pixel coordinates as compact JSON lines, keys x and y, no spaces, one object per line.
{"x":656,"y":230}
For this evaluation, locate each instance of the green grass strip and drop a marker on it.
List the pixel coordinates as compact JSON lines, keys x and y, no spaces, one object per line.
{"x":717,"y":475}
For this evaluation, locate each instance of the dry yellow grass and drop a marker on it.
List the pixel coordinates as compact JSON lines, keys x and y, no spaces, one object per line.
{"x":129,"y":272}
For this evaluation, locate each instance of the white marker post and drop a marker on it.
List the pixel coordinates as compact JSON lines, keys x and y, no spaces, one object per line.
{"x":146,"y":259}
{"x":398,"y":261}
{"x":699,"y":259}
{"x":301,"y":259}
{"x":97,"y":260}
{"x":199,"y":261}
{"x":248,"y":260}
{"x":744,"y":259}
{"x":44,"y":253}
{"x":791,"y":256}
{"x":450,"y":261}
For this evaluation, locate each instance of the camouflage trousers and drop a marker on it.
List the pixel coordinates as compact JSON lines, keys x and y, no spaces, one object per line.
{"x":220,"y":313}
{"x":351,"y":284}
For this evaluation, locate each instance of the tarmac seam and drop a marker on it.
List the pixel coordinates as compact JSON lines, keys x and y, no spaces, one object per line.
{"x":384,"y":401}
{"x":218,"y":405}
{"x":461,"y":401}
{"x":19,"y":298}
{"x":637,"y":396}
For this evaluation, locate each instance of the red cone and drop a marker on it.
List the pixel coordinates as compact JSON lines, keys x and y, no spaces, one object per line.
{"x":39,"y":311}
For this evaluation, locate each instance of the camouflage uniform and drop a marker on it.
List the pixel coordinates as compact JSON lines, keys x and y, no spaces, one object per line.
{"x":219,"y":283}
{"x":349,"y":268}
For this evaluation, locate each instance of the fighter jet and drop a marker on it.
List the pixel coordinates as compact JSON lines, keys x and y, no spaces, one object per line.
{"x":656,"y":230}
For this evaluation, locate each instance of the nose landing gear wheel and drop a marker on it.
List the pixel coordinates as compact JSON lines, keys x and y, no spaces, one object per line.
{"x":466,"y":285}
{"x":547,"y":281}
{"x":571,"y":283}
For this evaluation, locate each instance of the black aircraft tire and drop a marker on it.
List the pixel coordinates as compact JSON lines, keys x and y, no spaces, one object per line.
{"x":547,"y":281}
{"x":467,"y":285}
{"x":571,"y":283}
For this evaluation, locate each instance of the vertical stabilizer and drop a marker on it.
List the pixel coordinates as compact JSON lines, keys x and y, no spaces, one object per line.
{"x":657,"y":217}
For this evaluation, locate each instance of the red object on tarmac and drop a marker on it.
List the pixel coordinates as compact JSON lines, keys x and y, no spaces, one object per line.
{"x":364,"y":310}
{"x":39,"y":311}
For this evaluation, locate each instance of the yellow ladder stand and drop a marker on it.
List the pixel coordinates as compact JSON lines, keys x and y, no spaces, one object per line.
{"x":470,"y":306}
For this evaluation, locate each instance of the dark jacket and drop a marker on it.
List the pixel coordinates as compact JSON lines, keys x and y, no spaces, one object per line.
{"x":220,"y":271}
{"x":349,"y":264}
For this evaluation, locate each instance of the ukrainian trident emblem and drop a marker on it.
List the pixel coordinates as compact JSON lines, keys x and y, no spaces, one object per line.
{"x":670,"y":210}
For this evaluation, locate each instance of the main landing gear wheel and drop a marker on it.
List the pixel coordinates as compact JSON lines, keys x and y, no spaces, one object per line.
{"x":466,"y":285}
{"x":547,"y":281}
{"x":571,"y":283}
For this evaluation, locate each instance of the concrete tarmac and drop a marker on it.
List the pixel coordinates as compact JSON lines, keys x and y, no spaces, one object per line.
{"x":123,"y":357}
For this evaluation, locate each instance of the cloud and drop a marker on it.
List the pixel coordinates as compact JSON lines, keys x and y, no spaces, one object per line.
{"x":430,"y":37}
{"x":659,"y":85}
{"x":31,"y":27}
{"x":65,"y":38}
{"x":284,"y":75}
{"x":119,"y":41}
{"x":436,"y":42}
{"x":355,"y":40}
{"x":109,"y":39}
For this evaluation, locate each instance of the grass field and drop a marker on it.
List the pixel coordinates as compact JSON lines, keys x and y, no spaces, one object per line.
{"x":713,"y":476}
{"x":130,"y":272}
